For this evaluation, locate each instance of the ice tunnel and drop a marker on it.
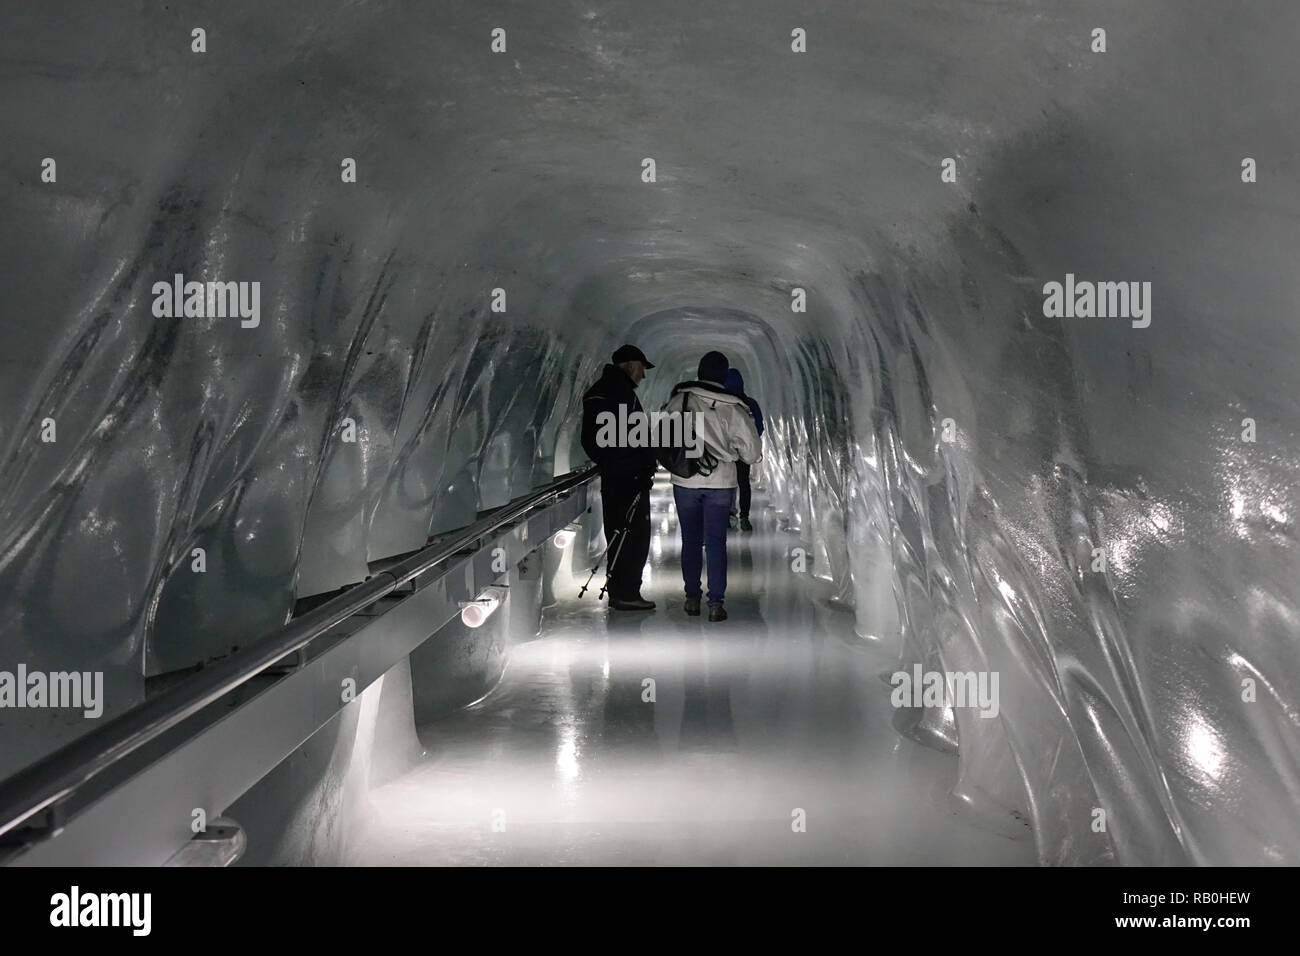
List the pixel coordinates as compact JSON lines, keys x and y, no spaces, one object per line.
{"x":433,"y":224}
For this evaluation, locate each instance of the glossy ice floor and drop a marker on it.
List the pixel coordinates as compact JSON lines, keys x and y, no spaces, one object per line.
{"x":776,"y":715}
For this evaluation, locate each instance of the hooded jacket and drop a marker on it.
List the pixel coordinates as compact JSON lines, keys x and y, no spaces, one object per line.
{"x":736,"y":384}
{"x":632,"y":465}
{"x":723,"y":423}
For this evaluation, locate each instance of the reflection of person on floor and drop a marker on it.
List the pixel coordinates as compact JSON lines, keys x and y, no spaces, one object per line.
{"x":724,"y":425}
{"x":706,"y":712}
{"x":629,"y":714}
{"x":736,"y":385}
{"x":626,"y":477}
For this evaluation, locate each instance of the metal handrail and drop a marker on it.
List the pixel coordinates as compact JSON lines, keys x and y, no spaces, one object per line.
{"x":56,"y":778}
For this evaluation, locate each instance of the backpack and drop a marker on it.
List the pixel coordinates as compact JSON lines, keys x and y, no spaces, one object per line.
{"x":676,"y":460}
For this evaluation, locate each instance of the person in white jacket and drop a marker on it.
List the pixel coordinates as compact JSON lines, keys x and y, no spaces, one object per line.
{"x":724,"y":425}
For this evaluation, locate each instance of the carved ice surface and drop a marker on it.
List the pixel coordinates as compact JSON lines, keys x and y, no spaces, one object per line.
{"x":1121,"y":690}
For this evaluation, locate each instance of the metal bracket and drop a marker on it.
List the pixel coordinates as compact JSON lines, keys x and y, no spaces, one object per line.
{"x":221,"y":844}
{"x":294,"y":660}
{"x":40,"y":826}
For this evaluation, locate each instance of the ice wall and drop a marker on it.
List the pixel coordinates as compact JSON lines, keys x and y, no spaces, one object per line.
{"x":774,"y":170}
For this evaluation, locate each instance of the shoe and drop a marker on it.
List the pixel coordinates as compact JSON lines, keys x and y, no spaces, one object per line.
{"x":731,"y":522}
{"x":634,"y":603}
{"x":745,"y":525}
{"x":717,"y":612}
{"x":691,"y":606}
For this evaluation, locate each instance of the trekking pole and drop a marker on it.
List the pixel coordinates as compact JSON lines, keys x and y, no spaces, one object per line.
{"x":618,"y":549}
{"x":583,"y":589}
{"x":620,"y":536}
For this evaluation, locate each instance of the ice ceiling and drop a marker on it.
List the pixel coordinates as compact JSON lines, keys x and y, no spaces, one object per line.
{"x":953,"y":457}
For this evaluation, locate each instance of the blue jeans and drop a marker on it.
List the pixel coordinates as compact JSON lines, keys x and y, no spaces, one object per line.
{"x":702,"y":514}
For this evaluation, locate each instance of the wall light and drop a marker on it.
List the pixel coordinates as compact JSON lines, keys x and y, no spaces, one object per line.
{"x":474,"y":613}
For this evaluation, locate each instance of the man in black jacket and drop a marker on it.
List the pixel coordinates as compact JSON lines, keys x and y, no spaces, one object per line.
{"x":626,"y":476}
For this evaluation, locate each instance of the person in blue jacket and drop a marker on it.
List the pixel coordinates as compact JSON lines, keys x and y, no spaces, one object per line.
{"x":736,"y":385}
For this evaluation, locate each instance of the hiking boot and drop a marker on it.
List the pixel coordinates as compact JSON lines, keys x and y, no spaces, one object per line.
{"x":634,"y":603}
{"x":717,"y":612}
{"x":745,"y":525}
{"x":691,"y":606}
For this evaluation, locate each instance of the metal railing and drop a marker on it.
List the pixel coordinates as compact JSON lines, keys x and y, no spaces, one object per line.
{"x":49,"y":785}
